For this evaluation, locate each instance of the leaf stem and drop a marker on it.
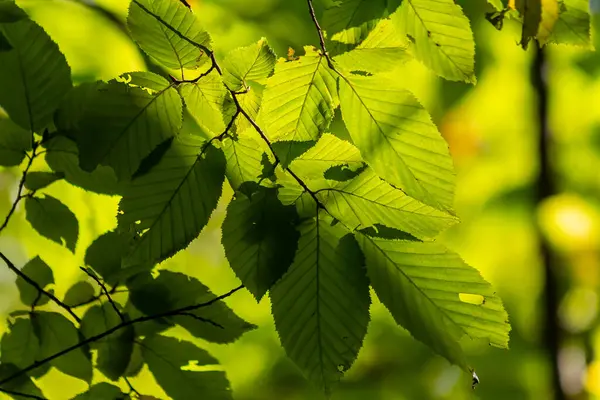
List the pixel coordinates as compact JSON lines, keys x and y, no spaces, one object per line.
{"x":313,"y":16}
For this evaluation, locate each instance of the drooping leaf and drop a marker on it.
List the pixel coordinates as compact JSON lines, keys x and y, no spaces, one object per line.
{"x":14,"y":143}
{"x":321,"y":305}
{"x":250,"y":63}
{"x":298,"y":101}
{"x":170,"y":205}
{"x":131,"y":122}
{"x":367,"y":200}
{"x":205,"y":100}
{"x":422,"y":283}
{"x":346,"y":14}
{"x":21,"y":384}
{"x":114,"y":350}
{"x":396,"y":136}
{"x":243,"y":157}
{"x":56,"y":333}
{"x":171,"y":290}
{"x":382,"y":50}
{"x":53,"y":220}
{"x":260,"y":239}
{"x":168,"y":32}
{"x":34,"y":75}
{"x":102,"y":391}
{"x":531,"y":14}
{"x":442,"y":36}
{"x":19,"y":345}
{"x":37,"y":180}
{"x":62,"y":156}
{"x":40,"y":273}
{"x":79,"y":293}
{"x":167,"y":359}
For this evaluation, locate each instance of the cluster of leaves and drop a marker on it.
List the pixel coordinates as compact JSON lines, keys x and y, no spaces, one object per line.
{"x":341,"y":180}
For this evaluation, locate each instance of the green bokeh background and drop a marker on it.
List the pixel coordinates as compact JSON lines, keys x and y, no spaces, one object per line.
{"x":492,"y":131}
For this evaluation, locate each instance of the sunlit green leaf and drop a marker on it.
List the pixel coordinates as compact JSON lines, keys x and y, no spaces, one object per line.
{"x":244,"y":160}
{"x":352,"y":13}
{"x":573,"y":24}
{"x":41,"y":273}
{"x":250,"y":63}
{"x":53,"y":220}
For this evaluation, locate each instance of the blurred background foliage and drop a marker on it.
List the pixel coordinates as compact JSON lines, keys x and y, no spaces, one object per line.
{"x":492,"y":131}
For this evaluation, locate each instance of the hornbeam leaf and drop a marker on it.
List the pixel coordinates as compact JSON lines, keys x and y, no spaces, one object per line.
{"x":346,"y":14}
{"x":250,"y":63}
{"x":101,"y":391}
{"x":396,"y":136}
{"x":34,"y":75}
{"x":531,"y":13}
{"x":36,"y":180}
{"x":14,"y":143}
{"x":168,"y":32}
{"x":321,"y":305}
{"x":244,"y":160}
{"x":21,"y":384}
{"x":169,"y":360}
{"x":40,"y":273}
{"x":19,"y":345}
{"x":53,"y":220}
{"x":298,"y":101}
{"x":259,"y":239}
{"x":573,"y":24}
{"x":442,"y":35}
{"x":131,"y":122}
{"x":435,"y":295}
{"x":171,"y":204}
{"x":367,"y":200}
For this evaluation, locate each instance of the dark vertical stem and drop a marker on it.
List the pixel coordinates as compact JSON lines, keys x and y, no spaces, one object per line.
{"x":545,"y":186}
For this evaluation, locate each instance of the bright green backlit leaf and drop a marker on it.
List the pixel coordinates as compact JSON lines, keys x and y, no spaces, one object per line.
{"x":422,"y":285}
{"x":14,"y":143}
{"x":34,"y":75}
{"x":442,"y":36}
{"x":171,"y":204}
{"x":288,"y":151}
{"x":19,"y":345}
{"x":260,"y":239}
{"x":321,"y":305}
{"x":40,"y":273}
{"x":166,"y":358}
{"x":53,"y":220}
{"x":37,"y":180}
{"x":244,"y":160}
{"x":352,"y":13}
{"x":250,"y":63}
{"x":573,"y":24}
{"x":397,"y":138}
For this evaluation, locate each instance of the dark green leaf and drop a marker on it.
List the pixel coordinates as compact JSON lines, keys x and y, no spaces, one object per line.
{"x":81,"y":292}
{"x":53,"y":219}
{"x":19,"y":345}
{"x":172,"y":290}
{"x":136,"y":363}
{"x":105,"y":253}
{"x":21,"y":384}
{"x":167,"y":358}
{"x":260,"y":239}
{"x":102,"y":391}
{"x":41,"y":273}
{"x":37,"y":180}
{"x":352,"y":13}
{"x":153,"y":158}
{"x":289,"y":151}
{"x":57,"y":333}
{"x":9,"y":12}
{"x":321,"y":305}
{"x":14,"y":143}
{"x":72,"y":106}
{"x":34,"y":75}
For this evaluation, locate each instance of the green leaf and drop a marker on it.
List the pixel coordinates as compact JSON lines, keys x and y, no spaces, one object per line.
{"x":167,"y":359}
{"x":321,"y":305}
{"x":79,"y":293}
{"x":290,"y":192}
{"x":102,"y":391}
{"x":423,"y":284}
{"x":105,"y":253}
{"x":205,"y":100}
{"x":168,"y":32}
{"x":298,"y":101}
{"x":288,"y":151}
{"x":243,"y":157}
{"x":172,"y":290}
{"x":573,"y":24}
{"x":34,"y":75}
{"x":62,"y":156}
{"x":57,"y":333}
{"x":170,"y":205}
{"x":442,"y":36}
{"x":367,"y":200}
{"x":14,"y":143}
{"x":114,"y":350}
{"x":10,"y":12}
{"x":37,"y":180}
{"x":131,"y":122}
{"x":259,"y":239}
{"x":383,"y":49}
{"x":53,"y":220}
{"x":531,"y":14}
{"x":251,"y":63}
{"x":72,"y":106}
{"x":21,"y":384}
{"x":40,"y":273}
{"x":250,"y":102}
{"x":346,"y":14}
{"x":20,"y":345}
{"x":396,"y":136}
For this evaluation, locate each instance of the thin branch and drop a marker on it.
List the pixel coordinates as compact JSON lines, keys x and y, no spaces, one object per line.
{"x":20,"y":189}
{"x":185,"y":3}
{"x":116,"y":328}
{"x":199,"y":318}
{"x":105,"y":291}
{"x":311,"y":9}
{"x":131,"y":388}
{"x":33,"y":283}
{"x":27,"y":396}
{"x":99,"y":296}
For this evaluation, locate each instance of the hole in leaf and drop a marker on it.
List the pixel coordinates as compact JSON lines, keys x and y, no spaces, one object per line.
{"x":476,"y":299}
{"x":475,"y":380}
{"x":341,"y":368}
{"x":193,"y":366}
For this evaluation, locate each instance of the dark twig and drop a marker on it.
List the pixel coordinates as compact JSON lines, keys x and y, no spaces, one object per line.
{"x":311,"y":9}
{"x":131,"y":388}
{"x":187,"y":314}
{"x":25,"y":395}
{"x":99,"y":296}
{"x":185,"y":3}
{"x":105,"y":291}
{"x":20,"y":189}
{"x":33,"y":283}
{"x":116,"y":328}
